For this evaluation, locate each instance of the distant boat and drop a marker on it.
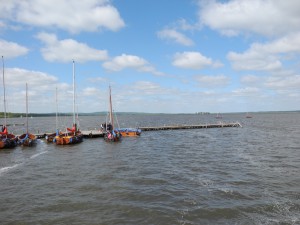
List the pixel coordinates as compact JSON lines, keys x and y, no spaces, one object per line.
{"x":7,"y":140}
{"x":72,"y":135}
{"x":248,"y":115}
{"x":27,"y":139}
{"x":111,"y":134}
{"x":218,"y":116}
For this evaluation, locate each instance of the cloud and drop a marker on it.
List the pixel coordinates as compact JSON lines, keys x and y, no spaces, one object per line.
{"x":266,"y":57}
{"x":173,"y":35}
{"x":130,"y":61}
{"x":11,"y":49}
{"x":250,"y":79}
{"x":40,"y":87}
{"x":193,"y":60}
{"x":90,"y":91}
{"x":269,"y":18}
{"x":73,"y":16}
{"x":212,"y":81}
{"x":68,"y":49}
{"x":17,"y":78}
{"x":247,"y":91}
{"x":290,"y":83}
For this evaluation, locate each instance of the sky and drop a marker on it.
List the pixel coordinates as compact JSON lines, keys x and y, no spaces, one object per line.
{"x":158,"y":56}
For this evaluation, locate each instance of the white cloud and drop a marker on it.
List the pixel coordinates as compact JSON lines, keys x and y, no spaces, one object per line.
{"x":256,"y":16}
{"x":17,"y":78}
{"x":247,"y":91}
{"x":193,"y":60}
{"x":212,"y":81}
{"x":130,"y":61}
{"x":68,"y":49}
{"x":73,"y":16}
{"x":290,"y":83}
{"x":173,"y":35}
{"x":90,"y":91}
{"x":250,"y":79}
{"x":40,"y":87}
{"x":11,"y":49}
{"x":266,"y":57}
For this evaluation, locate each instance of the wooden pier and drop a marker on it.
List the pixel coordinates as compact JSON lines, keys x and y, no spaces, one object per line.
{"x":200,"y":126}
{"x":98,"y":133}
{"x":92,"y":133}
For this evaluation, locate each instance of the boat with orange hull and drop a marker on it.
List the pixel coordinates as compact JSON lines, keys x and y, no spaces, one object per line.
{"x":7,"y":140}
{"x":27,"y":139}
{"x":72,"y":135}
{"x":129,"y":132}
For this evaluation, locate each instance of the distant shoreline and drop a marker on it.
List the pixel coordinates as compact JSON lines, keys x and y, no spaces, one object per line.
{"x":16,"y":115}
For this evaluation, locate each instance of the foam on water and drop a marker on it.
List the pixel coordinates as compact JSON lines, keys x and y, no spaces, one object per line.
{"x":8,"y":168}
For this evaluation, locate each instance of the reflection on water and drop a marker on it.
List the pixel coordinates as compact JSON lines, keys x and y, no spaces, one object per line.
{"x":246,"y":175}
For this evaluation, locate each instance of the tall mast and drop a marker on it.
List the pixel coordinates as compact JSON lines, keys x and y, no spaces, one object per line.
{"x":4,"y":99}
{"x":26,"y":108}
{"x":110,"y":109}
{"x":56,"y":120}
{"x":74,"y":121}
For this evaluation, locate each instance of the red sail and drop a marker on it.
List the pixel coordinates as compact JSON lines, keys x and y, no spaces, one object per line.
{"x":72,"y":130}
{"x":4,"y":131}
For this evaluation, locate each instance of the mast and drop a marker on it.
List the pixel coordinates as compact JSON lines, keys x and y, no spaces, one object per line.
{"x":4,"y":98}
{"x":110,"y":109}
{"x":26,"y":108}
{"x":56,"y":120}
{"x":74,"y":121}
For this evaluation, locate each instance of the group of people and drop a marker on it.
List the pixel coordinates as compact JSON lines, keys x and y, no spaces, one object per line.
{"x":111,"y":134}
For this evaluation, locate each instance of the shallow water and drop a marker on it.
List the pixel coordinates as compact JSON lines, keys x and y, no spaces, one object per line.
{"x":246,"y":175}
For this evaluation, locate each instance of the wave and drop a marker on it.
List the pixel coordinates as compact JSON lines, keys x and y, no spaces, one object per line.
{"x":8,"y":168}
{"x":37,"y":154}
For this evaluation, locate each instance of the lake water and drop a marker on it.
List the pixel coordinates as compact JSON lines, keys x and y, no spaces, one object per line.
{"x":248,"y":175}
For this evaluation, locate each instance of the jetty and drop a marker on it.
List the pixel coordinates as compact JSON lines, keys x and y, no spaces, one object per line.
{"x":99,"y":133}
{"x":199,"y":126}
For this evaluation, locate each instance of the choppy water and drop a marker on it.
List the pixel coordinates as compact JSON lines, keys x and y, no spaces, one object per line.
{"x":248,"y":175}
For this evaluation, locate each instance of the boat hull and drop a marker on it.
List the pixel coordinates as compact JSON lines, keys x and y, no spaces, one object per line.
{"x":67,"y":139}
{"x":27,"y":140}
{"x":130,"y":132}
{"x":113,"y":137}
{"x":8,"y":142}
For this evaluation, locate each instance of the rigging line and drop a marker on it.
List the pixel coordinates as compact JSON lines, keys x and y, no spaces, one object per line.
{"x":4,"y":99}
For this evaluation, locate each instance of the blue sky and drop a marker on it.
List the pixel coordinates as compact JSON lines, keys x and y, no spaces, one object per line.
{"x":158,"y":56}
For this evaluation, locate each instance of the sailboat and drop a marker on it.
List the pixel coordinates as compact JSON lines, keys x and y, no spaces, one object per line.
{"x":248,"y":115}
{"x":111,"y":134}
{"x":218,"y":116}
{"x":71,"y":135}
{"x":27,"y":139}
{"x":7,"y":140}
{"x":50,"y":138}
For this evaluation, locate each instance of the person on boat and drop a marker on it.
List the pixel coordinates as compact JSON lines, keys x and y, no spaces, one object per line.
{"x":109,"y":127}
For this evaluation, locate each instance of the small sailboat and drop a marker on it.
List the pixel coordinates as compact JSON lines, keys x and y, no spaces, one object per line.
{"x":111,"y":134}
{"x":71,"y":135}
{"x":218,"y":116}
{"x":7,"y":140}
{"x":50,"y":138}
{"x":248,"y":115}
{"x":27,"y":139}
